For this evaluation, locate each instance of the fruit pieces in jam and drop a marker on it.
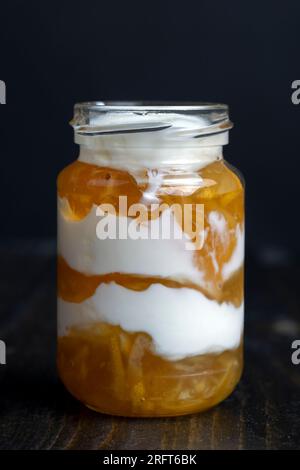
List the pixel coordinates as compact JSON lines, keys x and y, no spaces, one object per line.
{"x":117,"y":372}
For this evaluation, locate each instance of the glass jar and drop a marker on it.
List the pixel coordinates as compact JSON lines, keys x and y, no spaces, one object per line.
{"x":150,"y":260}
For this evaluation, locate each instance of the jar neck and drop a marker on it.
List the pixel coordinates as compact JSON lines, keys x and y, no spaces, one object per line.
{"x":135,"y":158}
{"x":152,"y":137}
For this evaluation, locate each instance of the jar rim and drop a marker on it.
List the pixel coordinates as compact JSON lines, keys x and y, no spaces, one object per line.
{"x":151,"y":106}
{"x":151,"y":124}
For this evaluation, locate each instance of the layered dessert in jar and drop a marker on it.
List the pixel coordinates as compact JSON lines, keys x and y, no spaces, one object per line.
{"x":150,"y":260}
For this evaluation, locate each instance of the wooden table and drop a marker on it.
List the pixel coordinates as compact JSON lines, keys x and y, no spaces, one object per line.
{"x":37,"y":413}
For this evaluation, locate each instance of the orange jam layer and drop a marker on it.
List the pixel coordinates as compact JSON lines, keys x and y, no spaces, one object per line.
{"x":84,"y":184}
{"x":116,"y":372}
{"x":74,"y":286}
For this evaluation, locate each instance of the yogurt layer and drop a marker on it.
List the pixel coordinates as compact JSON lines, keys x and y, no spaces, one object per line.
{"x":182,"y":322}
{"x":131,"y":140}
{"x":81,"y":248}
{"x":85,"y":252}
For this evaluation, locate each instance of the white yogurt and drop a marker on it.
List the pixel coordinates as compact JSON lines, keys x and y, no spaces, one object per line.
{"x":237,"y":257}
{"x":135,"y":159}
{"x":182,"y":322}
{"x":169,"y":258}
{"x":84,"y":252}
{"x":217,"y":223}
{"x":130,"y":140}
{"x":219,"y":229}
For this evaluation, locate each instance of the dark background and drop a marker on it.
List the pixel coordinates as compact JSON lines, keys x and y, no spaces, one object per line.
{"x":246,"y":54}
{"x":56,"y":53}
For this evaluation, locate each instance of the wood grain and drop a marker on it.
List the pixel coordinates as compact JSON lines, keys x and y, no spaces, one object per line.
{"x":37,"y":413}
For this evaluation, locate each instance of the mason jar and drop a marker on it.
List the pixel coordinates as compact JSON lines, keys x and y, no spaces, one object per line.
{"x":150,"y":260}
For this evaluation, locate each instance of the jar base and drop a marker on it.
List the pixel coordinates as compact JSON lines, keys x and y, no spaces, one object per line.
{"x":152,"y":414}
{"x":107,"y":379}
{"x":147,"y":416}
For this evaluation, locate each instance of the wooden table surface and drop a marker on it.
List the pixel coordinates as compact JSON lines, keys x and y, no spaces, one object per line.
{"x":37,"y":413}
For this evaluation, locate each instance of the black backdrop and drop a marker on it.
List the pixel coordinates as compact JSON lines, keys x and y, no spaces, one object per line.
{"x":246,"y":54}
